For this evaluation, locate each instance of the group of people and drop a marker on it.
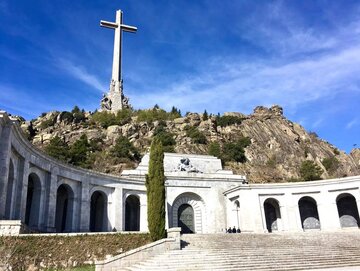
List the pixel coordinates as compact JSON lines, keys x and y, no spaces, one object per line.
{"x":233,"y":230}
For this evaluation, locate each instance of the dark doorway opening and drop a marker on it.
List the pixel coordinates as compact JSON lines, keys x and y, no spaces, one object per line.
{"x":308,"y":213}
{"x":272,"y":214}
{"x":98,"y":212}
{"x":348,"y":211}
{"x":186,"y":218}
{"x":132,"y":213}
{"x":64,"y":209}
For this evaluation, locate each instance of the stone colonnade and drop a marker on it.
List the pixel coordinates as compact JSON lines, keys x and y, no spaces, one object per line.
{"x":50,"y":196}
{"x":321,"y":205}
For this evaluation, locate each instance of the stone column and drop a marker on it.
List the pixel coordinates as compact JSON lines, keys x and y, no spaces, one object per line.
{"x":143,"y":213}
{"x":328,"y":214}
{"x":85,"y":207}
{"x":5,"y":148}
{"x":51,"y":214}
{"x":24,"y":190}
{"x":76,"y":209}
{"x":118,"y":221}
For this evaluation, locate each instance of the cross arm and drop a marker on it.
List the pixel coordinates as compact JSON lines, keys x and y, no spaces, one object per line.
{"x":128,"y":28}
{"x":109,"y":24}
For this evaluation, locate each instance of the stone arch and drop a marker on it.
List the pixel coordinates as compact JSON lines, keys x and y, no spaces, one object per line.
{"x":132,"y":213}
{"x":98,"y":212}
{"x":198,"y":206}
{"x":10,"y":190}
{"x":347,"y":210}
{"x":272,"y":214}
{"x":309,"y":213}
{"x":64,"y":208}
{"x":33,"y":200}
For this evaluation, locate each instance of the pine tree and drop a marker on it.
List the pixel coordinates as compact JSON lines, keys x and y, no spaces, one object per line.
{"x":205,"y":115}
{"x":58,"y":149}
{"x":155,"y":189}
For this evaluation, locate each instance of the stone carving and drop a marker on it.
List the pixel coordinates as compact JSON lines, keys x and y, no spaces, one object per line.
{"x":106,"y":103}
{"x":185,"y":165}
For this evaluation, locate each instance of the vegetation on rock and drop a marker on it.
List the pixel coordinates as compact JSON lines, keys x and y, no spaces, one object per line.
{"x":167,"y":139}
{"x":197,"y":136}
{"x":277,"y":150}
{"x":331,"y":164}
{"x":123,"y":148}
{"x":155,"y":190}
{"x":309,"y":171}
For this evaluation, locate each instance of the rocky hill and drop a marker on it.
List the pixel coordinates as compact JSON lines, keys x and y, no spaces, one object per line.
{"x":274,"y":148}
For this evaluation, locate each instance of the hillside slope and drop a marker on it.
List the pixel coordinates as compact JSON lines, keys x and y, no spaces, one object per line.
{"x":277,"y":149}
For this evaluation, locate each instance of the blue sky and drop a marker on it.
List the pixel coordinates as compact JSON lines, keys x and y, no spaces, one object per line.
{"x":215,"y":55}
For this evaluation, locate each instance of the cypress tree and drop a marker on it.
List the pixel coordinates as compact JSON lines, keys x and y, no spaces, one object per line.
{"x":155,"y":189}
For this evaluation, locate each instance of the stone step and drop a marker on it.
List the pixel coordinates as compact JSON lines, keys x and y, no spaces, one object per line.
{"x":224,"y":266}
{"x":259,"y":252}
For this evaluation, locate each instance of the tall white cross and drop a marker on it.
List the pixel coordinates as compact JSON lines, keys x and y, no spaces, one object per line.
{"x":116,"y":78}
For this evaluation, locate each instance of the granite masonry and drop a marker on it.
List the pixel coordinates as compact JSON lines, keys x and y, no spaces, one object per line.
{"x":41,"y":194}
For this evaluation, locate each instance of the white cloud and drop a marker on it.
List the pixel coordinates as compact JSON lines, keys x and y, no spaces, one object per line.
{"x":80,"y":73}
{"x":352,"y":123}
{"x":235,"y":86}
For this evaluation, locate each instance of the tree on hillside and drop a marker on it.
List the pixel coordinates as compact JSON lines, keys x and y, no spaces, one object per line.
{"x":123,"y":148}
{"x":79,"y":152}
{"x":58,"y":149}
{"x":155,"y":190}
{"x":309,"y":171}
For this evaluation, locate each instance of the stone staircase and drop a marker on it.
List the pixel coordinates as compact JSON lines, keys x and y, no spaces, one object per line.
{"x":291,"y":251}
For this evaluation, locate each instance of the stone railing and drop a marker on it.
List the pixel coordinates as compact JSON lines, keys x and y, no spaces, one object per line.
{"x":142,"y":253}
{"x":12,"y":227}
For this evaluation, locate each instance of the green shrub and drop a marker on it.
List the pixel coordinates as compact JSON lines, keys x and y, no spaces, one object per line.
{"x":205,"y":115}
{"x":79,"y":152}
{"x":197,"y":136}
{"x":224,"y":121}
{"x":167,"y":139}
{"x":157,"y":114}
{"x":309,"y":171}
{"x":58,"y":149}
{"x":67,"y":116}
{"x":47,"y":123}
{"x":123,"y":116}
{"x":214,"y":149}
{"x":155,"y":190}
{"x":123,"y":148}
{"x":331,"y":164}
{"x":78,"y":115}
{"x":235,"y":151}
{"x":104,"y":118}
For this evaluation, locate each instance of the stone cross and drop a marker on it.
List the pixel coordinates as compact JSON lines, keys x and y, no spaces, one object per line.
{"x":116,"y":99}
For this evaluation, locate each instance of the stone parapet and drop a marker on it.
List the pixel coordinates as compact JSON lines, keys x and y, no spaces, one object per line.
{"x":142,"y":253}
{"x":11,"y":227}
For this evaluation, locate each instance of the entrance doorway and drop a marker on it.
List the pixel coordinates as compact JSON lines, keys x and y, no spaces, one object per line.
{"x":348,"y":211}
{"x":132,"y":213}
{"x":98,"y":212}
{"x":272,"y":214}
{"x":64,"y":209}
{"x":309,"y":213}
{"x":186,"y":218}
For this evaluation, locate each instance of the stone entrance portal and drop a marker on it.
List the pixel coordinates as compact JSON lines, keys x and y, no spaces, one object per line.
{"x":348,"y":211}
{"x":132,"y":213}
{"x":186,"y":218}
{"x":272,"y":214}
{"x":309,"y":213}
